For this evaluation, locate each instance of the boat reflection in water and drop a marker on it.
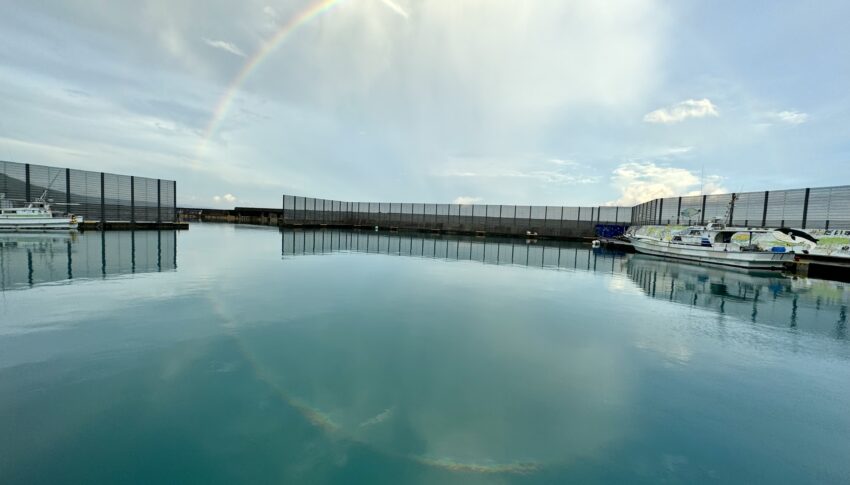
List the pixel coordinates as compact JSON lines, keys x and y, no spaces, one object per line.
{"x":31,"y":259}
{"x":812,"y":305}
{"x":803,"y":304}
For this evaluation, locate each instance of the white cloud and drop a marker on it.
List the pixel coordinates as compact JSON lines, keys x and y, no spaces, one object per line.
{"x":791,"y":117}
{"x":563,"y":163}
{"x":546,"y":176}
{"x":689,"y":108}
{"x":270,"y":11}
{"x":642,"y":181}
{"x":395,"y":8}
{"x":228,"y":198}
{"x":225,"y":46}
{"x":533,"y":169}
{"x":465,"y":199}
{"x":677,"y":150}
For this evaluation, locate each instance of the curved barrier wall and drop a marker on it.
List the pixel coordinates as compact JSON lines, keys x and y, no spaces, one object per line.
{"x":810,"y":208}
{"x":552,"y":221}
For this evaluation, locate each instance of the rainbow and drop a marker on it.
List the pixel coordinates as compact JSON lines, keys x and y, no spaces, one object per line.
{"x":226,"y":101}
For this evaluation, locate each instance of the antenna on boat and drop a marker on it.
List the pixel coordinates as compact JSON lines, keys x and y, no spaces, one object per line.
{"x":702,"y":180}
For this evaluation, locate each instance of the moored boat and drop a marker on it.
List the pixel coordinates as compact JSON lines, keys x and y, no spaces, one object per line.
{"x":715,"y":243}
{"x":35,"y":215}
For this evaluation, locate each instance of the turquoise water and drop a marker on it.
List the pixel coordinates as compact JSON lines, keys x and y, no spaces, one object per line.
{"x":228,"y":354}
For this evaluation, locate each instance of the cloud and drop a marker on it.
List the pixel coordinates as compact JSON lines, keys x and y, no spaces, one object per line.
{"x":270,"y":11}
{"x":642,"y":181}
{"x":533,"y":169}
{"x":690,"y":108}
{"x":671,"y":151}
{"x":563,"y":163}
{"x":395,"y":8}
{"x":791,"y":117}
{"x":479,"y":76}
{"x":467,"y":200}
{"x":225,"y":46}
{"x":228,"y":198}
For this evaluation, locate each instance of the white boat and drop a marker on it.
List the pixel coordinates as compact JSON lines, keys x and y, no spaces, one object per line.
{"x":715,"y":244}
{"x":35,"y":216}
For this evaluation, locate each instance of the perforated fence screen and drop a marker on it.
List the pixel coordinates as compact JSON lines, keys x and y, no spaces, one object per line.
{"x":553,"y":221}
{"x":96,"y":196}
{"x":810,"y":208}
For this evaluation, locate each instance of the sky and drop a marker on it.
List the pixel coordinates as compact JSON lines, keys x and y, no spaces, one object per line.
{"x":471,"y":101}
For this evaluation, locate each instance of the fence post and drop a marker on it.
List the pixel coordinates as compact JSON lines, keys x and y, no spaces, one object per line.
{"x":158,"y":201}
{"x":679,"y":211}
{"x":702,"y":212}
{"x":102,"y":200}
{"x":764,"y":212}
{"x":27,"y":183}
{"x":805,"y":208}
{"x":561,"y":224}
{"x":68,"y":189}
{"x":545,"y":217}
{"x":132,"y":199}
{"x":660,"y":209}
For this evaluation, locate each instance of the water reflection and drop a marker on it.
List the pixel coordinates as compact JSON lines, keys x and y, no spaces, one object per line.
{"x":767,"y":298}
{"x":30,"y":259}
{"x":760,"y":297}
{"x":545,"y":254}
{"x":361,"y":368}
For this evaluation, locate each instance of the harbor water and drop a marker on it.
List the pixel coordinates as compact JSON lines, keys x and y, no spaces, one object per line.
{"x":241,"y":354}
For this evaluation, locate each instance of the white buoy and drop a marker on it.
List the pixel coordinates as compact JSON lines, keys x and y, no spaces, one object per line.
{"x":596,"y":243}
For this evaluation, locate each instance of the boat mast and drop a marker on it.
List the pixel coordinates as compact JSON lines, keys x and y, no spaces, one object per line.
{"x":727,"y":217}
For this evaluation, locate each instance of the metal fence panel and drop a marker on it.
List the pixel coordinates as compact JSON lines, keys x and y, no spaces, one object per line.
{"x":13,"y":181}
{"x":812,"y":208}
{"x":717,"y":207}
{"x":95,"y":196}
{"x":749,"y":209}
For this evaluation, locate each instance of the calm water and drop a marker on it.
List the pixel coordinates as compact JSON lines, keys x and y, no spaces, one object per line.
{"x":230,"y":354}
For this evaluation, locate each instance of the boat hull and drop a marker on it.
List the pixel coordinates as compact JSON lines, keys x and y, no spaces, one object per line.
{"x":19,"y":224}
{"x":740,"y":259}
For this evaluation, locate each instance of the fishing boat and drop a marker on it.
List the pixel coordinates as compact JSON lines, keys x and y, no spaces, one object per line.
{"x":715,"y":243}
{"x":35,"y":215}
